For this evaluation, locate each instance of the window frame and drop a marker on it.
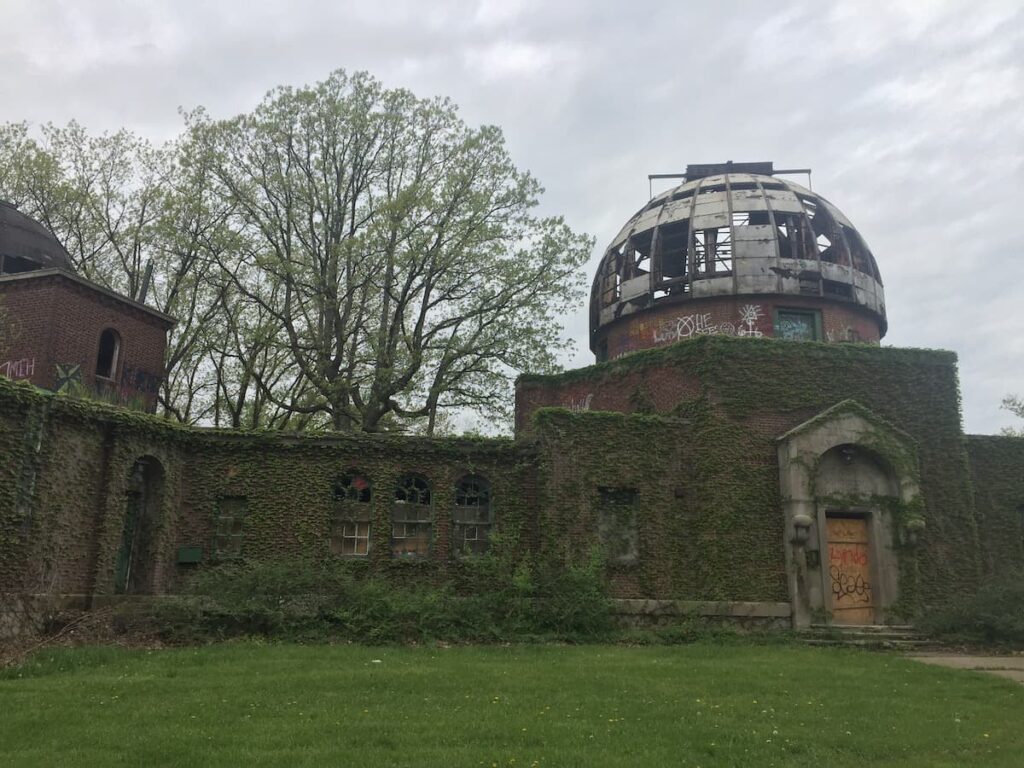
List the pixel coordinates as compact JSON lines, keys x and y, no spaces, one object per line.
{"x":415,"y":516}
{"x":236,"y":538}
{"x":115,"y":358}
{"x":814,"y":314}
{"x":483,"y":490}
{"x":351,"y":518}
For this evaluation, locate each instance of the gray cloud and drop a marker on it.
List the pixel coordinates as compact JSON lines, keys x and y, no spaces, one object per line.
{"x":909,"y":113}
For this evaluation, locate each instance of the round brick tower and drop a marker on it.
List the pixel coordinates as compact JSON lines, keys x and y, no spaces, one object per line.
{"x":737,"y":251}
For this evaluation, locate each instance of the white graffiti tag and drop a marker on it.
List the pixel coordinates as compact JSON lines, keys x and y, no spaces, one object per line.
{"x":749,"y":314}
{"x":579,"y":405}
{"x":685,"y":326}
{"x":19,"y":369}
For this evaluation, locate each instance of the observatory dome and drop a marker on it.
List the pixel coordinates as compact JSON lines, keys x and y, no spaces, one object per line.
{"x":26,"y":245}
{"x":735,"y":253}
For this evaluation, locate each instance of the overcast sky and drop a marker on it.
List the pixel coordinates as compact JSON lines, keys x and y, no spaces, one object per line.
{"x":911,"y":114}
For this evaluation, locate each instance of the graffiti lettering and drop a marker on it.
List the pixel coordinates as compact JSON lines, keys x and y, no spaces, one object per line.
{"x":685,"y":326}
{"x":849,"y":585}
{"x":847,"y":334}
{"x":578,"y":405}
{"x":796,"y":329}
{"x":19,"y":369}
{"x":844,"y":556}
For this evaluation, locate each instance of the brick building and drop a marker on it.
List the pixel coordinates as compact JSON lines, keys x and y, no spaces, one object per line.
{"x":65,"y":333}
{"x":719,"y":465}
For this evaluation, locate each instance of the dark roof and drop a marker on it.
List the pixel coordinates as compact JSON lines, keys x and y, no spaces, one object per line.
{"x":23,"y":237}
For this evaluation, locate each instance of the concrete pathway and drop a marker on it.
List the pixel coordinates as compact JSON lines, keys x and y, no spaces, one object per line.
{"x":1010,"y":667}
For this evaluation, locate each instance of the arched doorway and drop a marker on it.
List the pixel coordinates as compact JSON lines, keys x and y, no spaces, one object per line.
{"x":133,"y":568}
{"x":853,"y":486}
{"x":848,"y":482}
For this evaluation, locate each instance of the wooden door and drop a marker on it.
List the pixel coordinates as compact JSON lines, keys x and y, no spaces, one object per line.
{"x":849,"y":568}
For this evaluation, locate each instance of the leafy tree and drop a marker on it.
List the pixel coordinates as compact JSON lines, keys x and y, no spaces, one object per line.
{"x":394,"y":248}
{"x":1015,"y":405}
{"x":116,"y":203}
{"x":344,"y":255}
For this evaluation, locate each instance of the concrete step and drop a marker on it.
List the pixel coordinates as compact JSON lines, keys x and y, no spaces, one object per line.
{"x":849,"y":642}
{"x":888,"y":636}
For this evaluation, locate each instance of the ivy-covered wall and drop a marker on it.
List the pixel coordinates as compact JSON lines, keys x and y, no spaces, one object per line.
{"x":700,"y":538}
{"x":67,"y":473}
{"x":288,"y":484}
{"x":738,"y":396}
{"x":997,"y":471}
{"x":666,"y":458}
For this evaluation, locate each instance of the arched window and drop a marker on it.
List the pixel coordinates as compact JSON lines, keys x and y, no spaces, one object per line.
{"x":351,"y":516}
{"x":411,"y":522}
{"x":106,"y":359}
{"x":471,"y":517}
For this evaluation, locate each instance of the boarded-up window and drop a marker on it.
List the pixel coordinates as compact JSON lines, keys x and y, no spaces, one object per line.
{"x":616,"y":524}
{"x":229,"y":527}
{"x":471,"y":518}
{"x":351,"y":516}
{"x":797,"y":325}
{"x":411,"y":520}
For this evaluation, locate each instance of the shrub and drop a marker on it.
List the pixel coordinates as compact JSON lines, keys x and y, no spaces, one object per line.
{"x":328,"y":601}
{"x":994,"y":614}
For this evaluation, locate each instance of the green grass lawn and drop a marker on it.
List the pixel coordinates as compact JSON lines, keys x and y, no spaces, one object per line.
{"x":695,"y":705}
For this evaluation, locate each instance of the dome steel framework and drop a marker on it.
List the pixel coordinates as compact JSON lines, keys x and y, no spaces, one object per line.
{"x":729,"y":234}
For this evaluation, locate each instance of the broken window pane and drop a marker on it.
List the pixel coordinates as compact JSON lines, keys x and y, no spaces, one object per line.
{"x":352,"y":488}
{"x":611,"y":281}
{"x":827,"y":243}
{"x":351,"y":515}
{"x":638,"y":253}
{"x":670,"y":255}
{"x":411,"y":519}
{"x":713,"y":251}
{"x":471,"y":518}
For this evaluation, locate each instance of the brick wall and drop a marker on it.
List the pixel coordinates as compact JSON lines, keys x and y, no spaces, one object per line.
{"x":704,"y":471}
{"x":743,"y":394}
{"x":26,"y":310}
{"x":66,"y":472}
{"x":57,"y":321}
{"x":997,"y":471}
{"x":731,"y":316}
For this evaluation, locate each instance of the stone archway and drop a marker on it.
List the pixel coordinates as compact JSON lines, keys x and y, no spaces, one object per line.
{"x":846,"y":480}
{"x":143,"y":499}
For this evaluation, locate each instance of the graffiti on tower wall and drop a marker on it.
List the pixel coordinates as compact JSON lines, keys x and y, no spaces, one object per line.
{"x":701,"y":324}
{"x":23,"y":368}
{"x":580,"y":404}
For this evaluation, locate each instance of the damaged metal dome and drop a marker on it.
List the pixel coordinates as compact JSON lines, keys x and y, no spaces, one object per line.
{"x":734,"y":233}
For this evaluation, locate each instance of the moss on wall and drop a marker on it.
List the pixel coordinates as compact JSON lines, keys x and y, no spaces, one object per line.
{"x":68,"y":463}
{"x":754,"y":390}
{"x":705,"y":469}
{"x":997,"y":471}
